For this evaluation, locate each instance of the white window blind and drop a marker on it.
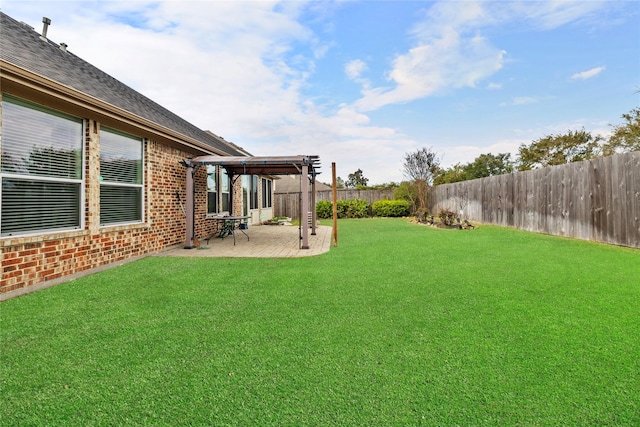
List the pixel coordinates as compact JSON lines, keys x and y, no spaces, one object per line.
{"x":212,"y":189}
{"x":41,"y":169}
{"x":121,"y":183}
{"x":266,"y":193}
{"x":254,"y":192}
{"x":224,"y":190}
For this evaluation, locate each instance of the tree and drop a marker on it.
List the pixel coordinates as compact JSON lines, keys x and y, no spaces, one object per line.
{"x":625,"y":137}
{"x":483,"y":166}
{"x":421,"y":167}
{"x":489,"y":165}
{"x":455,"y":173}
{"x":356,"y":180}
{"x":574,"y":146}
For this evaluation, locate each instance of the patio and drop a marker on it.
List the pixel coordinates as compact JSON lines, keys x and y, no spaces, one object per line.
{"x":265,"y":241}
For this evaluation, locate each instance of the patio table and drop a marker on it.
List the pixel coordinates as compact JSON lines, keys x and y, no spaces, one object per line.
{"x":229,"y":225}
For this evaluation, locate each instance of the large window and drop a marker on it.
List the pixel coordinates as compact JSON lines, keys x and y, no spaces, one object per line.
{"x":121,"y":184}
{"x":41,"y":169}
{"x":266,"y":193}
{"x":224,"y":192}
{"x":254,"y":192}
{"x":212,"y":189}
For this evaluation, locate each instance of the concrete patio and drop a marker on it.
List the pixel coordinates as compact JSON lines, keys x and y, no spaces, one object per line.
{"x":265,"y":241}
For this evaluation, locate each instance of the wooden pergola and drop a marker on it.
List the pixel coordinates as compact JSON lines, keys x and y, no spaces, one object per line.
{"x":235,"y":166}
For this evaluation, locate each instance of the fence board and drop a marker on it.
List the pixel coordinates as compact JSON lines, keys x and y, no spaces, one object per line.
{"x":597,"y":199}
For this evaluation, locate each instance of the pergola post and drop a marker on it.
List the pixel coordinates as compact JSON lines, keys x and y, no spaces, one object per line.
{"x":189,"y":209}
{"x":313,"y":203}
{"x":304,"y":206}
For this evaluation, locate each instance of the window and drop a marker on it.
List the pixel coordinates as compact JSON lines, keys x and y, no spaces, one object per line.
{"x":246,"y":182}
{"x":120,"y":178}
{"x":212,"y":189}
{"x":224,"y":190}
{"x":254,"y":192}
{"x":41,"y":169}
{"x":266,"y":193}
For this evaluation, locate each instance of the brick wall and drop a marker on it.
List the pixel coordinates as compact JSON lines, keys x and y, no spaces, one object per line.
{"x":33,"y":260}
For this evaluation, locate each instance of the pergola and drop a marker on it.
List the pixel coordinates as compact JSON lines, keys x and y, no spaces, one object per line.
{"x":306,"y":166}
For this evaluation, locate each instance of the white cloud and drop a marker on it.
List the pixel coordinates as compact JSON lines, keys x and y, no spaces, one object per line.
{"x":521,"y":100}
{"x":584,"y":75}
{"x":355,"y":68}
{"x":449,"y":53}
{"x":553,"y":14}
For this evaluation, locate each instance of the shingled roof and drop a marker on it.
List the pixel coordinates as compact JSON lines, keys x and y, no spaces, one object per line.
{"x":22,"y":46}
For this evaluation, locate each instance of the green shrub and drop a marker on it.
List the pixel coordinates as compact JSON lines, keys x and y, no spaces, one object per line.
{"x":358,"y":208}
{"x":342,"y":207}
{"x":390,"y":208}
{"x":324,"y":209}
{"x":355,"y":208}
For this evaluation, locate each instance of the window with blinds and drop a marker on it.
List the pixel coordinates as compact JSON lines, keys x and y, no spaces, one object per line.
{"x":224,"y":192}
{"x":266,"y":193}
{"x":212,"y":189}
{"x":121,"y":182}
{"x":41,"y":168}
{"x":254,"y":192}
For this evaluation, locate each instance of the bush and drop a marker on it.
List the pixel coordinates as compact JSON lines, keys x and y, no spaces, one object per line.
{"x":390,"y":208}
{"x":447,"y":217}
{"x":355,"y":208}
{"x":324,"y":209}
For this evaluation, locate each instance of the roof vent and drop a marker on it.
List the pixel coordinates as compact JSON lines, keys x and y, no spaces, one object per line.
{"x":63,"y":47}
{"x":46,"y":21}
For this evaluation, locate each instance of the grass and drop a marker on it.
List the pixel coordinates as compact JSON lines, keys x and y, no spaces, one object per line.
{"x":399,"y":325}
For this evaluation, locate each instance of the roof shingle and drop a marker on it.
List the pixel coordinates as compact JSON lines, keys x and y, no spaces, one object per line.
{"x":22,"y":46}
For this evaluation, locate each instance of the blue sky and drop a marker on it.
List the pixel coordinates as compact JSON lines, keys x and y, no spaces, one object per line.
{"x":362,"y":83}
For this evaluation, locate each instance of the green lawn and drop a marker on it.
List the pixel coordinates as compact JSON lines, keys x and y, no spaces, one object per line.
{"x":400,"y":325}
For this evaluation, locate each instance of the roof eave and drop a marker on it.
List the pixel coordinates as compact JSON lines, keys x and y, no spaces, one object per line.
{"x":10,"y":73}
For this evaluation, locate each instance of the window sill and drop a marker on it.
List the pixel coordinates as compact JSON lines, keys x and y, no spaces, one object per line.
{"x":123,"y":227}
{"x":25,"y":240}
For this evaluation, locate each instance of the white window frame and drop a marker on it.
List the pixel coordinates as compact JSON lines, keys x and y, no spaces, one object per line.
{"x":267,"y":193}
{"x":212,"y":171}
{"x":253,"y":198}
{"x":114,"y":184}
{"x":225,"y":193}
{"x":27,"y":177}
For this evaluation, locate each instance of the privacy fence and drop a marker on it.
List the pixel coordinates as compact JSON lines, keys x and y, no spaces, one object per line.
{"x":591,"y":200}
{"x":287,"y":204}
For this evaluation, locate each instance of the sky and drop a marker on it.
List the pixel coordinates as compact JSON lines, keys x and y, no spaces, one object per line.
{"x":364,"y":83}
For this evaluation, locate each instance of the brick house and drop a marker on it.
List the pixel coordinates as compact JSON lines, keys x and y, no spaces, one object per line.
{"x":91,"y":169}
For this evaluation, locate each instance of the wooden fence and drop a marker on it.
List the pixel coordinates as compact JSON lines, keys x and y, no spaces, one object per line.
{"x":591,"y":200}
{"x":287,"y":204}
